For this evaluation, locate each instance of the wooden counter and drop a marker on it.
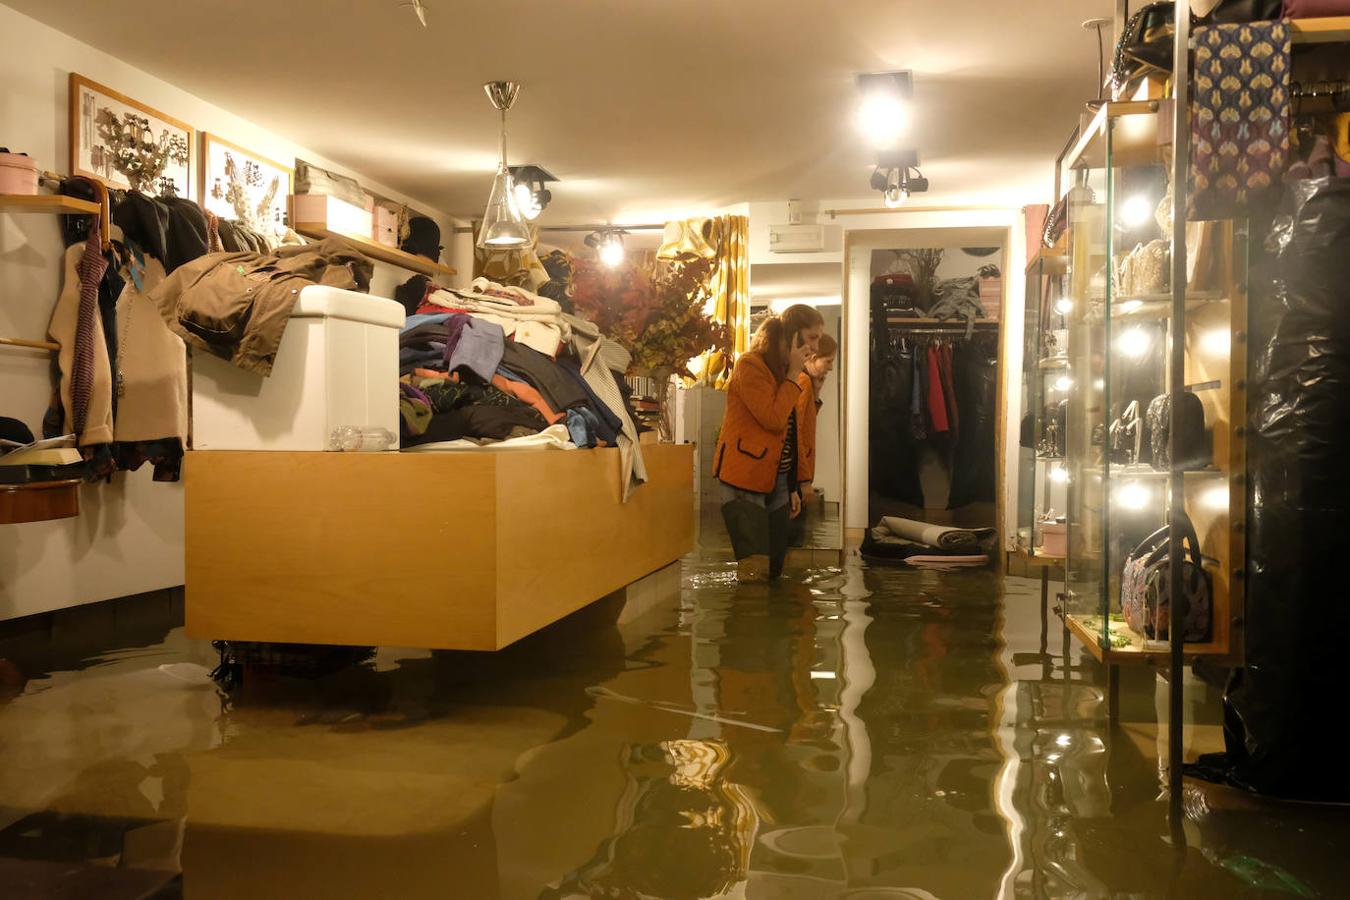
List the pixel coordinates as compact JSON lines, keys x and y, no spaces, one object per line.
{"x":458,"y":551}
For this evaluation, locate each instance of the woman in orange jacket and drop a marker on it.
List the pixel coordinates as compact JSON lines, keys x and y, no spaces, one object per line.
{"x":756,"y":458}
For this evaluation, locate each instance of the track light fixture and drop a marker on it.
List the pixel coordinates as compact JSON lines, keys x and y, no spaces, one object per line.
{"x":608,"y":246}
{"x":529,"y":190}
{"x":897,"y":176}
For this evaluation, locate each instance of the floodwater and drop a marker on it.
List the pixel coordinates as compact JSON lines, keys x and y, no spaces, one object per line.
{"x":853,"y":733}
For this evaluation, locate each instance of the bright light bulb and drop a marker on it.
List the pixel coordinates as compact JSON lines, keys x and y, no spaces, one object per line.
{"x":883,"y":118}
{"x":526,"y":202}
{"x":1064,"y":306}
{"x":1059,"y":475}
{"x":1134,"y":343}
{"x":611,"y":252}
{"x":895,"y":197}
{"x":1099,"y":384}
{"x":1130,"y":306}
{"x":1135,"y":211}
{"x":1063,"y":383}
{"x":1216,"y":342}
{"x":1133,"y":496}
{"x":1215,"y":498}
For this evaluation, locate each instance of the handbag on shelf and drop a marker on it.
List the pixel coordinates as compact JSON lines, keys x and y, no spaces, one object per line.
{"x":1192,"y":447}
{"x":1127,"y":437}
{"x":1146,"y":587}
{"x":1143,"y":270}
{"x":1062,"y":212}
{"x":1145,"y":45}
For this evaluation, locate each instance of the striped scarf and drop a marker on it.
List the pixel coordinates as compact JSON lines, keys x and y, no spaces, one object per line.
{"x":91,"y":269}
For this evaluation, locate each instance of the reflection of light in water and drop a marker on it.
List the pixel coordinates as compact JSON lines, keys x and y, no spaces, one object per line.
{"x":827,"y":676}
{"x":1063,"y":740}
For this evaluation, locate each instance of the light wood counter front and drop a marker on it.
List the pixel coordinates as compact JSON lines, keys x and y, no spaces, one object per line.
{"x":456,"y":551}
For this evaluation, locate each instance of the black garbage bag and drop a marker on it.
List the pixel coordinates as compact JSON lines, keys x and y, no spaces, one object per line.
{"x":1283,"y":708}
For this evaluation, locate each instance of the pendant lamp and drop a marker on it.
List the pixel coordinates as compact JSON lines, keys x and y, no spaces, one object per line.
{"x":503,"y":226}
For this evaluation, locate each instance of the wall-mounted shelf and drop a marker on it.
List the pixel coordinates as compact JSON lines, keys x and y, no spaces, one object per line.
{"x":1320,"y":31}
{"x":39,"y":501}
{"x":377,"y":251}
{"x":939,"y":323}
{"x":53,"y":204}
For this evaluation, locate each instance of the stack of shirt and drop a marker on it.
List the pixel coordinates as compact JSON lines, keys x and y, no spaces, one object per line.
{"x":529,"y":319}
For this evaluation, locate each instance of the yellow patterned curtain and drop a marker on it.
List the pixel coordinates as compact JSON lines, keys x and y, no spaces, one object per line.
{"x":726,"y":241}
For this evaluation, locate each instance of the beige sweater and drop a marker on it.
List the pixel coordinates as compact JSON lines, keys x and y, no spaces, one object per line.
{"x":153,"y":360}
{"x":98,"y":425}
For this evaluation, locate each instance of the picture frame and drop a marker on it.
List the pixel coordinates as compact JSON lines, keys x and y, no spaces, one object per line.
{"x":91,"y":152}
{"x":257,"y":192}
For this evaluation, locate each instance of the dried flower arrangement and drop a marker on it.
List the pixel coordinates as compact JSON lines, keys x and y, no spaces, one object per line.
{"x":237,"y":189}
{"x":135,"y":152}
{"x":657,"y":314}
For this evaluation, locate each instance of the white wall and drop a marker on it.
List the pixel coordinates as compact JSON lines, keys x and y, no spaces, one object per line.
{"x":129,"y":535}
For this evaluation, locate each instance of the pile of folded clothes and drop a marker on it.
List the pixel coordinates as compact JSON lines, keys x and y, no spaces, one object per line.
{"x":494,"y":365}
{"x":897,"y":541}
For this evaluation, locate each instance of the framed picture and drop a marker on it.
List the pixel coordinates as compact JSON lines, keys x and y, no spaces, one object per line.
{"x":126,"y":144}
{"x":241,"y":186}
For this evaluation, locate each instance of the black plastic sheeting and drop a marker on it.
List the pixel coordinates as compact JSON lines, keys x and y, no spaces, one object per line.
{"x":1284,"y":709}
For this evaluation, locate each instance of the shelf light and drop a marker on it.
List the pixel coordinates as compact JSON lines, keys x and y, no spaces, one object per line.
{"x":1063,"y":383}
{"x":1059,"y":475}
{"x":1215,"y":498}
{"x":1130,"y":306}
{"x":1135,"y":211}
{"x":1099,"y":385}
{"x":1216,"y":342}
{"x":1064,"y":306}
{"x":1133,"y":496}
{"x":1134,"y":343}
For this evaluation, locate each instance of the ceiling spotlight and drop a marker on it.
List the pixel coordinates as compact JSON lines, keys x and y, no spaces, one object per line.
{"x":897,"y":176}
{"x":530,"y":194}
{"x":503,"y":226}
{"x":880,"y":179}
{"x":897,"y":190}
{"x":608,"y":246}
{"x":884,"y":112}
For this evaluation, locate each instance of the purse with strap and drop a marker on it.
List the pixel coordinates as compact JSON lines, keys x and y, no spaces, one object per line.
{"x":1146,"y":586}
{"x":1127,"y":437}
{"x":1145,"y":45}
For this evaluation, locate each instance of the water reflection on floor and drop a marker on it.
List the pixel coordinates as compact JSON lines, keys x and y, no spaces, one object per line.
{"x":853,"y":733}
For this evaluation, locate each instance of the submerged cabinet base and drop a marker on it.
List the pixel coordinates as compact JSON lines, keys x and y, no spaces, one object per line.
{"x":457,"y":551}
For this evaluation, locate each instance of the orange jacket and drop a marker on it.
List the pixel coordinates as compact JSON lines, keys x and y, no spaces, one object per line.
{"x":806,"y":429}
{"x":750,"y":446}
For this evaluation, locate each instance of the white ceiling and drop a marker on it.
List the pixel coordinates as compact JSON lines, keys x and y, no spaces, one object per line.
{"x":644,"y":109}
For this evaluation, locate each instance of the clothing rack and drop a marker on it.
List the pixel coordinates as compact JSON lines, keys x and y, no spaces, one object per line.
{"x":24,"y":342}
{"x":939,"y":325}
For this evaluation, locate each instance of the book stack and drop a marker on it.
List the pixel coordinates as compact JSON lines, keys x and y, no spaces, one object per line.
{"x":54,"y":459}
{"x":646,"y":406}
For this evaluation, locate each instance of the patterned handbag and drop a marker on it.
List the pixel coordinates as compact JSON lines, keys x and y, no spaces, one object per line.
{"x":1146,"y":586}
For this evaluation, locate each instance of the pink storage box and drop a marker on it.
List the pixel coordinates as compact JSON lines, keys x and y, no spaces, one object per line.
{"x":18,"y":174}
{"x":991,"y":297}
{"x":1054,"y":540}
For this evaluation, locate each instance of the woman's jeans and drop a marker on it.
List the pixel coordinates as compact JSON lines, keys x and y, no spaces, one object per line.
{"x":758,"y":523}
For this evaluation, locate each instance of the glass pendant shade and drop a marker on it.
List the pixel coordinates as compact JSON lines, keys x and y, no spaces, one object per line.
{"x":503,"y":226}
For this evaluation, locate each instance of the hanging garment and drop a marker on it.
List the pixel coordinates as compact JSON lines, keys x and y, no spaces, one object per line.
{"x":918,"y":419}
{"x":937,"y":400}
{"x":603,"y":363}
{"x":1240,"y":112}
{"x":949,"y":391}
{"x":893,"y":460}
{"x":76,"y":324}
{"x":974,"y":469}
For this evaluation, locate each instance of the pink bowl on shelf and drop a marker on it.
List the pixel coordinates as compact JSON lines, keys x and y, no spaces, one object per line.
{"x":18,"y":174}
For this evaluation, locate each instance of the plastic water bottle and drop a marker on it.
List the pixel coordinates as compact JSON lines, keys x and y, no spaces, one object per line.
{"x":365,"y":439}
